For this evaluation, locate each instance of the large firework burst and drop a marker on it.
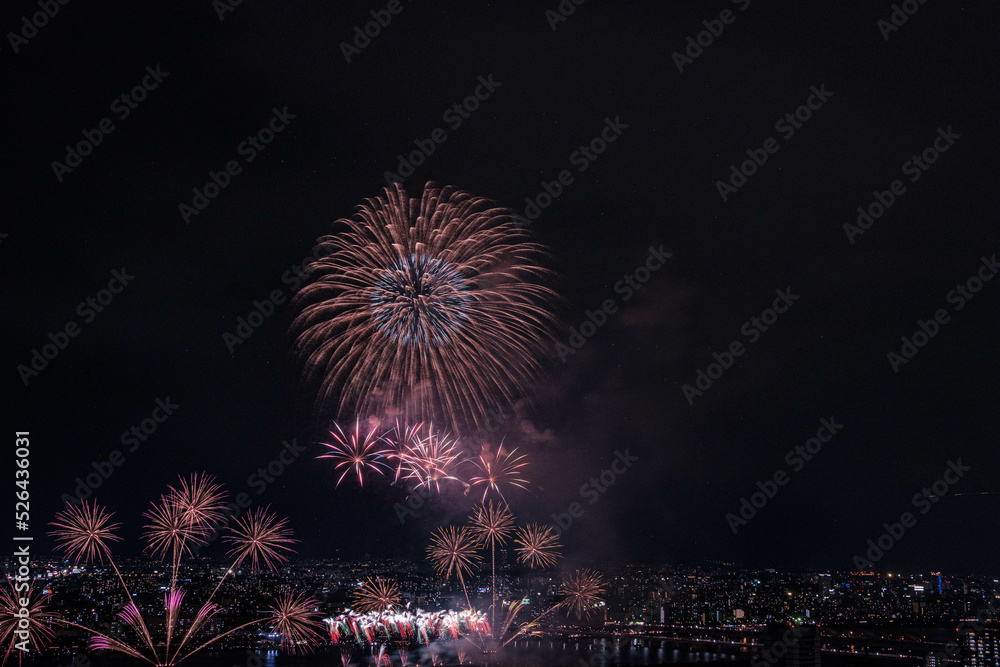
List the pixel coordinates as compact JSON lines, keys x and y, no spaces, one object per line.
{"x":429,"y":308}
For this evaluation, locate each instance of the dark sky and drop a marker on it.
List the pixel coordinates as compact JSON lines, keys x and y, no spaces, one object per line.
{"x":883,"y":102}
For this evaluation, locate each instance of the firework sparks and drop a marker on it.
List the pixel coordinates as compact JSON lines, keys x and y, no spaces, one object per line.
{"x":537,"y":545}
{"x":453,"y":551}
{"x":357,"y":451}
{"x":426,"y":459}
{"x":84,"y":531}
{"x":492,"y":524}
{"x":432,"y":307}
{"x":498,"y":470}
{"x":377,"y":595}
{"x":261,"y":537}
{"x":583,"y":590}
{"x":172,"y":530}
{"x":38,"y":631}
{"x":294,"y":620}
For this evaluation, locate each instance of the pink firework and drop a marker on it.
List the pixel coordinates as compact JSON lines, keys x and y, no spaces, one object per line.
{"x":427,"y":460}
{"x":497,"y":470}
{"x":359,"y":451}
{"x":261,"y":537}
{"x":83,"y":532}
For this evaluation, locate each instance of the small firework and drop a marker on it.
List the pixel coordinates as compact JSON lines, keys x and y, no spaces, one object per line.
{"x":583,"y":590}
{"x":38,"y":631}
{"x":172,"y":530}
{"x":84,"y":531}
{"x":453,"y":552}
{"x":296,"y":623}
{"x":492,"y":524}
{"x":537,"y":545}
{"x":494,"y":471}
{"x":200,"y":501}
{"x":377,"y":595}
{"x":261,"y":537}
{"x":357,"y":451}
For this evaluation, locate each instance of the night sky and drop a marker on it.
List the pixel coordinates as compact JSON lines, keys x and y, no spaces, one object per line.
{"x":879,"y":96}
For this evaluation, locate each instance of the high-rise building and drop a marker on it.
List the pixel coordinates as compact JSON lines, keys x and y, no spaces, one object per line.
{"x":806,"y":651}
{"x":981,"y":648}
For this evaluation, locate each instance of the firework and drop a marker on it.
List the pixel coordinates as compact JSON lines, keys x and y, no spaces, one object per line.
{"x":498,"y":470}
{"x":492,"y":524}
{"x":260,"y":536}
{"x":537,"y":545}
{"x":453,"y":551}
{"x":294,"y":620}
{"x":431,"y":308}
{"x":425,"y":459}
{"x":357,"y":451}
{"x":377,"y":595}
{"x":84,"y":531}
{"x":583,"y":590}
{"x":38,"y":631}
{"x":180,"y":521}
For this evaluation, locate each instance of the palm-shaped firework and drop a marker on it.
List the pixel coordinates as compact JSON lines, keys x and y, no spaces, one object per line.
{"x":497,"y":470}
{"x":181,"y":521}
{"x":432,"y":308}
{"x":453,"y":551}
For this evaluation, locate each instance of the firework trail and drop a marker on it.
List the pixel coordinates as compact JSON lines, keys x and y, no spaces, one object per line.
{"x":377,"y":595}
{"x":357,"y":451}
{"x":37,"y":633}
{"x":492,"y":526}
{"x":431,"y":308}
{"x":181,"y":520}
{"x":497,"y":470}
